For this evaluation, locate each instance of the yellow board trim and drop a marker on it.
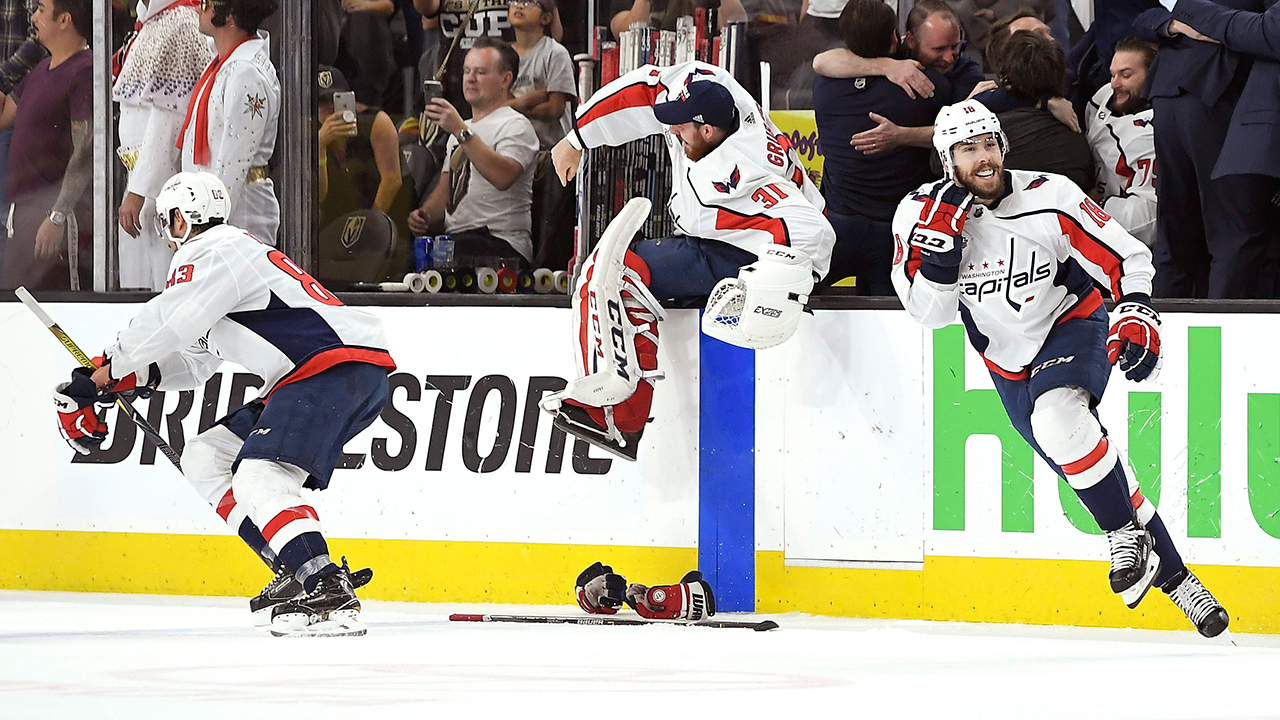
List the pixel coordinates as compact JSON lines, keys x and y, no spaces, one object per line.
{"x":1038,"y":592}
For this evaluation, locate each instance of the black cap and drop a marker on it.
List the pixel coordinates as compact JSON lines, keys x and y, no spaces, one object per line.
{"x":330,"y":80}
{"x":703,"y":101}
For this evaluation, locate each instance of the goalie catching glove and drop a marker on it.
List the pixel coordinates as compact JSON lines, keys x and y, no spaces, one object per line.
{"x":1134,"y":341}
{"x":690,"y":599}
{"x":762,"y":306}
{"x":601,"y":590}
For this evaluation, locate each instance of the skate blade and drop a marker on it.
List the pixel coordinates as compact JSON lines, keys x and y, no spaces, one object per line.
{"x":628,"y":453}
{"x":340,"y":623}
{"x":1138,"y":590}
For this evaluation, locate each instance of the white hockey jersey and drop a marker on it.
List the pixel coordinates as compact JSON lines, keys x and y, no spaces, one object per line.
{"x":231,"y":297}
{"x":1028,"y":263}
{"x":243,"y":110}
{"x":622,"y":111}
{"x":1124,"y":151}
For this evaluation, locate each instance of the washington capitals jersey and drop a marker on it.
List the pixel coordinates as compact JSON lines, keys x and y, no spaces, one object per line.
{"x":1027,"y":264}
{"x":230,"y":297}
{"x":1124,"y":151}
{"x":622,"y":111}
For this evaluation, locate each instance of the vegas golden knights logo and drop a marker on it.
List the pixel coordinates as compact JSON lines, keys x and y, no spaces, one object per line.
{"x":352,"y":230}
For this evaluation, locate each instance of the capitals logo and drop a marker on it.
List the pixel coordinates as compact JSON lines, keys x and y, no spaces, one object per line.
{"x":731,"y":184}
{"x":1141,"y":122}
{"x":1037,"y":182}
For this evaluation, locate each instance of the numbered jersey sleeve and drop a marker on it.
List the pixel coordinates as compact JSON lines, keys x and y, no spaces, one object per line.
{"x":1125,"y":155}
{"x":1113,"y":257}
{"x":932,"y":304}
{"x":741,"y":204}
{"x":203,"y":287}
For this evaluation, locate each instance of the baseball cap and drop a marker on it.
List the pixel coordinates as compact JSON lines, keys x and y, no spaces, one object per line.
{"x":330,"y":80}
{"x":702,"y":101}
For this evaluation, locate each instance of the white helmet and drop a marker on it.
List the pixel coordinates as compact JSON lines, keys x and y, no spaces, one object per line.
{"x":199,"y":197}
{"x":961,"y":123}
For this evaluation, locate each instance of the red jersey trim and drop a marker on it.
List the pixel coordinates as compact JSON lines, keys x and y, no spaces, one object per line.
{"x":323,"y":361}
{"x":632,"y":96}
{"x":1082,"y":309}
{"x":1094,"y":251}
{"x":729,"y":220}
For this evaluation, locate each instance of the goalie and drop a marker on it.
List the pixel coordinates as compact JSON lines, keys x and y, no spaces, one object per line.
{"x":754,"y":240}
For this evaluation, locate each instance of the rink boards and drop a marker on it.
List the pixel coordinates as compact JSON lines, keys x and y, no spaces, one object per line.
{"x":864,"y":468}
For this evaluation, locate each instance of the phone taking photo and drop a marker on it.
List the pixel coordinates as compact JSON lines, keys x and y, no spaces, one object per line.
{"x":343,"y":103}
{"x":432,"y":89}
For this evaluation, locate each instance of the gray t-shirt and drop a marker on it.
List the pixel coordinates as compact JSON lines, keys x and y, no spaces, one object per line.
{"x":548,"y":65}
{"x":474,"y":202}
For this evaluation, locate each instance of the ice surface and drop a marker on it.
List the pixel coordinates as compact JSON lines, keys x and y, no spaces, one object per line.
{"x":68,"y":655}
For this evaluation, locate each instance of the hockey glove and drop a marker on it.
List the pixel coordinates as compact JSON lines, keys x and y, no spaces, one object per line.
{"x":691,"y":599}
{"x":937,"y":234}
{"x":601,"y":590}
{"x":1134,"y":342}
{"x":77,"y":415}
{"x":133,"y":386}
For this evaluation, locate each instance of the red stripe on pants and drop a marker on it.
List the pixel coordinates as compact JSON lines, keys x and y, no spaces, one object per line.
{"x":1089,"y":460}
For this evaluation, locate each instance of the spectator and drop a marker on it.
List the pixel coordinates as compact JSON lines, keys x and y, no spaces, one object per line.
{"x":1123,"y":142}
{"x":359,"y":155}
{"x":1024,"y":19}
{"x":18,"y":44}
{"x":51,"y":159}
{"x":665,"y":14}
{"x":485,"y":192}
{"x":863,"y":192}
{"x":158,"y":72}
{"x":231,"y":122}
{"x":933,"y":39}
{"x":1033,"y":71}
{"x":545,"y":84}
{"x":1215,"y":234}
{"x":490,"y":20}
{"x":364,"y":48}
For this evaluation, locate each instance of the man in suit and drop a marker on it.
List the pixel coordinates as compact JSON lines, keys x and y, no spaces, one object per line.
{"x":1215,"y":236}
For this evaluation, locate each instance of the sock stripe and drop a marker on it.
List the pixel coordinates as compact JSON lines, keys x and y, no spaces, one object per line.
{"x":286,"y":516}
{"x":226,"y":505}
{"x":1088,"y":461}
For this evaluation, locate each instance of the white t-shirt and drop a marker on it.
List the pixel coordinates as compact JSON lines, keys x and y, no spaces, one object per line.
{"x":548,"y":65}
{"x":474,"y":201}
{"x":827,"y":8}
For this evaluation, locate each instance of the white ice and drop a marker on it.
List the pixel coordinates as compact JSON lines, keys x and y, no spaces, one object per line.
{"x":69,"y":655}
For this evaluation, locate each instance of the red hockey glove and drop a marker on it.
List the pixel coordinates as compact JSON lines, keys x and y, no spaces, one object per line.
{"x":1134,"y":342}
{"x":937,"y":234}
{"x":691,"y":599}
{"x":134,"y":385}
{"x":600,"y":590}
{"x":77,"y":417}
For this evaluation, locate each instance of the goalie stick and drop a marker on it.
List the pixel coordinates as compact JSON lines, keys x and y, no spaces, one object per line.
{"x":760,"y":626}
{"x":125,"y":406}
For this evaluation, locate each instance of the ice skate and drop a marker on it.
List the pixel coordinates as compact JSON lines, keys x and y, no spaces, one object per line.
{"x":1133,"y":564}
{"x":284,"y":587}
{"x":331,"y":609}
{"x":1200,"y":606}
{"x":575,"y":420}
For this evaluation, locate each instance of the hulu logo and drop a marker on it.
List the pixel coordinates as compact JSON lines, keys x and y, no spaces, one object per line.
{"x":959,"y":414}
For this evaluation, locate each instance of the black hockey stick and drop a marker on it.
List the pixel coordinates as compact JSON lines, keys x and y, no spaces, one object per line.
{"x":760,"y":626}
{"x":125,"y":406}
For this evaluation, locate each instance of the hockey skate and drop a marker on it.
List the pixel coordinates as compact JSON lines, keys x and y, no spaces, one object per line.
{"x":1200,"y":606}
{"x":1133,"y":564}
{"x":330,"y":610}
{"x":575,"y":420}
{"x":284,"y":587}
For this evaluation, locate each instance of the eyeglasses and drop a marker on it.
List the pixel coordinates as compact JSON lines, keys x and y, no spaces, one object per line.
{"x":525,"y":3}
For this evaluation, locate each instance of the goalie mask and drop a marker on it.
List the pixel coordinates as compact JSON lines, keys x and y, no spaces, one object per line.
{"x":199,"y":197}
{"x":961,"y":123}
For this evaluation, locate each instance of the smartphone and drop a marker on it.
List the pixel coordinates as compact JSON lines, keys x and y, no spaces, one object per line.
{"x":343,"y":103}
{"x":432,"y":89}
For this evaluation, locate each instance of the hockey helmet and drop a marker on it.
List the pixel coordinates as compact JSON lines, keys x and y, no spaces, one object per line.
{"x":199,"y":197}
{"x":961,"y":123}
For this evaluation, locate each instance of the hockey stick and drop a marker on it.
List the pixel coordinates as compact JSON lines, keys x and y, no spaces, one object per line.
{"x":125,"y":406}
{"x":761,"y":626}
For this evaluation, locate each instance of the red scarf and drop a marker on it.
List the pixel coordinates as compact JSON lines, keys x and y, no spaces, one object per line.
{"x":200,"y":107}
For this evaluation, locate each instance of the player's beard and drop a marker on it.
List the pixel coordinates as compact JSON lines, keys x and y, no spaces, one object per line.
{"x":988,"y":188}
{"x":1131,"y":103}
{"x":697,"y":148}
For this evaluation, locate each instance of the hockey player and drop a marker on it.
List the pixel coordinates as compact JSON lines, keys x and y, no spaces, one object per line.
{"x":230,"y":127}
{"x":746,"y":208}
{"x":1123,"y":141}
{"x":1017,"y":253}
{"x":159,"y":72}
{"x":230,"y":297}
